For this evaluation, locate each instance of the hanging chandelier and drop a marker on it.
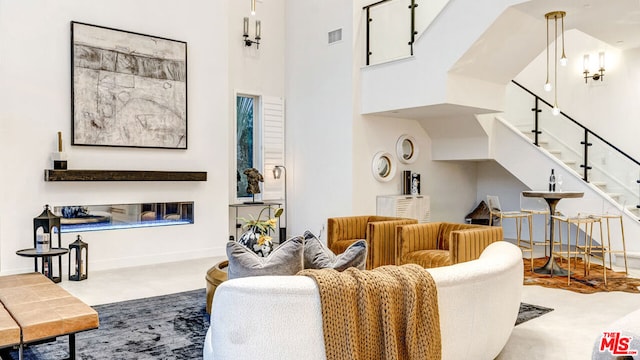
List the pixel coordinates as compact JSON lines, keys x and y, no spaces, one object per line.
{"x":555,"y":15}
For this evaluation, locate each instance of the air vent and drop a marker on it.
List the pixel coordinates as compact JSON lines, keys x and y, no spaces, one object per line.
{"x":335,"y":36}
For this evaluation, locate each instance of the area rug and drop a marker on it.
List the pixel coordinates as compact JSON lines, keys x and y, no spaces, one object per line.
{"x":594,"y":282}
{"x":163,"y":327}
{"x":529,"y":311}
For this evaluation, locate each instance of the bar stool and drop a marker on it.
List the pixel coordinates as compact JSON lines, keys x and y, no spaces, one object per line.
{"x":612,"y":212}
{"x":584,"y":218}
{"x":496,"y":210}
{"x":537,"y":206}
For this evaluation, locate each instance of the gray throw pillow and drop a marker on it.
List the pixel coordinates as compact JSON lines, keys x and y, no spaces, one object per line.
{"x":286,"y":259}
{"x":318,"y":256}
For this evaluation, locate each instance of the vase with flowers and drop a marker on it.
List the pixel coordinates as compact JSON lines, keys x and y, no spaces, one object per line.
{"x":257,"y":231}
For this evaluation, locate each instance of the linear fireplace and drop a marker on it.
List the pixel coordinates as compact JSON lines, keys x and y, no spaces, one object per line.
{"x":77,"y":218}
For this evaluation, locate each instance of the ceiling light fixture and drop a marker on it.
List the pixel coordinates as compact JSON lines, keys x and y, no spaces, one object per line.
{"x":555,"y":15}
{"x":253,"y":7}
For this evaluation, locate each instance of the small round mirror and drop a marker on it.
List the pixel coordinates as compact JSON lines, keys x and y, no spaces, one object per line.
{"x":382,"y":166}
{"x":406,"y":149}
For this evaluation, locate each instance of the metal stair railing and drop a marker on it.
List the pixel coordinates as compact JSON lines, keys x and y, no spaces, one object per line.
{"x":398,"y":17}
{"x":611,"y":164}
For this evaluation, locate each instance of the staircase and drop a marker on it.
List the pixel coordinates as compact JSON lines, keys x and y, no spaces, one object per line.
{"x":457,"y":96}
{"x":610,"y":170}
{"x":573,"y":165}
{"x":505,"y":138}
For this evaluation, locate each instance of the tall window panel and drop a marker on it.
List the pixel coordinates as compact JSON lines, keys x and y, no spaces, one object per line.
{"x":259,"y":144}
{"x":247,"y":140}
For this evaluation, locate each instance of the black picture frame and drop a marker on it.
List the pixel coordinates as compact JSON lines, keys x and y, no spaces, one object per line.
{"x":127,"y":89}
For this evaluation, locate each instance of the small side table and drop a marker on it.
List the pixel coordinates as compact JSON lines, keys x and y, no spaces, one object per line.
{"x":47,"y":266}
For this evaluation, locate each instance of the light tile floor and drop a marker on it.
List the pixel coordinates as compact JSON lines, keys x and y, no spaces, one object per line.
{"x":568,"y":332}
{"x":571,"y":329}
{"x":103,"y":287}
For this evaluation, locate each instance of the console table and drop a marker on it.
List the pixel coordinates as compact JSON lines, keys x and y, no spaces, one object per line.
{"x":46,"y":256}
{"x":237,"y":211}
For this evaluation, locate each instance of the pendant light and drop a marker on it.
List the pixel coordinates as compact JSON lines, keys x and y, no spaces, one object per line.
{"x":555,"y":15}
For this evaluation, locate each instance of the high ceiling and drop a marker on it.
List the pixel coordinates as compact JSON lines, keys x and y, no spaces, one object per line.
{"x":516,"y":37}
{"x":616,"y":22}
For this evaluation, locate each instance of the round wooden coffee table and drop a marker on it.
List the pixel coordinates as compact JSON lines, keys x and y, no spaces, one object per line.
{"x":215,"y":276}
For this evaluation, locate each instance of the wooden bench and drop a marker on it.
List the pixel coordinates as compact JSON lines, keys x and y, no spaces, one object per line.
{"x":34,"y":309}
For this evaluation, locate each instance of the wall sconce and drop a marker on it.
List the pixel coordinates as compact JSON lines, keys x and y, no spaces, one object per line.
{"x":597,"y":76}
{"x":245,"y":33}
{"x":277,"y":172}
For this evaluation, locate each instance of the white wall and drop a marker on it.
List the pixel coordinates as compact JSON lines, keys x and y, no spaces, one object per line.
{"x":35,"y":104}
{"x":374,"y":134}
{"x":318,"y":113}
{"x":330,"y":145}
{"x":451,"y":186}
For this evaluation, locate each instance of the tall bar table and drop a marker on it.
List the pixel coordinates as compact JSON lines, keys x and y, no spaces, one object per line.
{"x":552,"y":198}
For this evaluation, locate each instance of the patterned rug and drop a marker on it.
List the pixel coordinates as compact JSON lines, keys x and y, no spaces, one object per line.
{"x":162,"y":327}
{"x":528,"y":312}
{"x":594,"y":282}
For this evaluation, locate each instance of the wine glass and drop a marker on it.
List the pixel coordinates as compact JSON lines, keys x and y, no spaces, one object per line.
{"x":559,"y":181}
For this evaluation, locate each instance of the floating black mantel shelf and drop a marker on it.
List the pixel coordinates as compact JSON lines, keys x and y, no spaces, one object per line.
{"x":123,"y":175}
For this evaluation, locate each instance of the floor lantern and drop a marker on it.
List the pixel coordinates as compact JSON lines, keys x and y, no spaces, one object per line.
{"x":78,"y":260}
{"x":46,"y":226}
{"x":46,"y":236}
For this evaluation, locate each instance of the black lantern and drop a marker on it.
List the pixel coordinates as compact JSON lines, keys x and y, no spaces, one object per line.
{"x":46,"y":229}
{"x":78,"y":259}
{"x":46,"y":237}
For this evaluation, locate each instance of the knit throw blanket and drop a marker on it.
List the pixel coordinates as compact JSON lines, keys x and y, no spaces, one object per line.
{"x":390,"y":312}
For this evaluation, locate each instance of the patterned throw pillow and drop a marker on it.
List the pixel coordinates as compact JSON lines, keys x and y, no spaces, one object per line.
{"x":286,"y":259}
{"x":318,"y":256}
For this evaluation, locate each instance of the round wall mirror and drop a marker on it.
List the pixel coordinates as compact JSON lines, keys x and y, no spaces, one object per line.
{"x":407,"y":149}
{"x":382,"y":166}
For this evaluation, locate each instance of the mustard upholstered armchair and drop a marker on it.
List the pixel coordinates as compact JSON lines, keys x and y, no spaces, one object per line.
{"x":378,"y":231}
{"x":440,"y":244}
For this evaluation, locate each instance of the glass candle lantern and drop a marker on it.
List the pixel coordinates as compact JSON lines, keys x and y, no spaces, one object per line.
{"x":78,"y":260}
{"x":46,"y":229}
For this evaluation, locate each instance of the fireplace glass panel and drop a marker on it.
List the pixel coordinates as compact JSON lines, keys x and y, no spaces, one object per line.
{"x":76,"y":218}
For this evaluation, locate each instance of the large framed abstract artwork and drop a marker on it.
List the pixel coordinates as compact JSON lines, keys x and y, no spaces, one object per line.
{"x":128,"y":89}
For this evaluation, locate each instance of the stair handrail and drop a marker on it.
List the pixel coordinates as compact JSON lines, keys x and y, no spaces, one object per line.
{"x":587,"y":130}
{"x":585,"y":142}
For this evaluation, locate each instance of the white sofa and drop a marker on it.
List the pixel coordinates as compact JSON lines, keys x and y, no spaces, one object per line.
{"x":279,"y":317}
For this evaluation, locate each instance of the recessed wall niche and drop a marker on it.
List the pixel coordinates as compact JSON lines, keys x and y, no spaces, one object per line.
{"x":76,"y":218}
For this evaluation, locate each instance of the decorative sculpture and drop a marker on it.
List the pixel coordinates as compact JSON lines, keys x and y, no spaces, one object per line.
{"x":254,"y":178}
